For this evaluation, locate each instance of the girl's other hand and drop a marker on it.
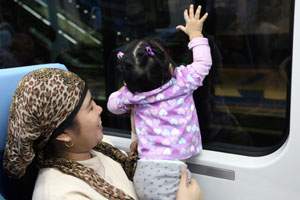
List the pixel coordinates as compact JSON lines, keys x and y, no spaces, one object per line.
{"x":194,"y":24}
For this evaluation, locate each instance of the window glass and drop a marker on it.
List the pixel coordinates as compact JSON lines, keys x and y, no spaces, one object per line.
{"x":243,"y":105}
{"x":250,"y":82}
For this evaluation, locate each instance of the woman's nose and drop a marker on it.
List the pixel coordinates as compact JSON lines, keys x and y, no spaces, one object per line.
{"x":99,"y":109}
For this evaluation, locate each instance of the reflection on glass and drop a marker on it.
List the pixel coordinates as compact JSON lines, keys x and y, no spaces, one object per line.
{"x":244,"y":99}
{"x":59,"y":31}
{"x":252,"y":70}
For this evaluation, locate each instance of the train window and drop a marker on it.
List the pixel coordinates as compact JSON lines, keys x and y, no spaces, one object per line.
{"x":245,"y":103}
{"x":243,"y":106}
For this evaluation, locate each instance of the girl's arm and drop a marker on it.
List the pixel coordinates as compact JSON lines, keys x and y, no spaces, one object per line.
{"x":134,"y":142}
{"x":194,"y":74}
{"x":202,"y":61}
{"x":116,"y":102}
{"x":133,"y":131}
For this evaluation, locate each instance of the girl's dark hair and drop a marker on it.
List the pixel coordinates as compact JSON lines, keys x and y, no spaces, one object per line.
{"x":142,"y":71}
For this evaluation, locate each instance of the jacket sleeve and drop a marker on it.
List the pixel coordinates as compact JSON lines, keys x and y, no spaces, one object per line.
{"x":192,"y":75}
{"x":117,"y":102}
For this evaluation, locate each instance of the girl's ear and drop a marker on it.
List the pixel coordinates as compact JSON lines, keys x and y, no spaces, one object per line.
{"x":64,"y":137}
{"x":171,"y":69}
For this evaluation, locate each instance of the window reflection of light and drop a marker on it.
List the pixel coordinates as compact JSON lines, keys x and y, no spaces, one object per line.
{"x":78,"y":28}
{"x":71,"y":23}
{"x":67,"y":37}
{"x":42,"y":3}
{"x":35,"y":14}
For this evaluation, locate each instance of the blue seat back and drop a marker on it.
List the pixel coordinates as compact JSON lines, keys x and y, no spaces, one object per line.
{"x":9,"y":79}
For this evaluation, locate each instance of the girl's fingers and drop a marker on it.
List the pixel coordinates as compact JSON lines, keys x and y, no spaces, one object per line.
{"x":191,"y":11}
{"x":185,"y":15}
{"x":197,"y":14}
{"x":204,"y":17}
{"x":180,"y":27}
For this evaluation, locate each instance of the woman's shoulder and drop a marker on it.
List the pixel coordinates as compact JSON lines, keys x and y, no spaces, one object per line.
{"x":47,"y":175}
{"x":53,"y":184}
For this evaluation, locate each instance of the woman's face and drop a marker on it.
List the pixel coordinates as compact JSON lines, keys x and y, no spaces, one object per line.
{"x":87,"y":129}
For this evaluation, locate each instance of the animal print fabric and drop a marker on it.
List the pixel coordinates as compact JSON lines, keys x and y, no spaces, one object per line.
{"x":91,"y":177}
{"x":43,"y":100}
{"x":127,"y":162}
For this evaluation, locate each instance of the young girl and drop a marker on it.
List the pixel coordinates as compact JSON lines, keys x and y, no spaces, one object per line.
{"x":161,"y":98}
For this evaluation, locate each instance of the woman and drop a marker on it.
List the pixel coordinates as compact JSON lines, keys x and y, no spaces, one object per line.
{"x":54,"y":120}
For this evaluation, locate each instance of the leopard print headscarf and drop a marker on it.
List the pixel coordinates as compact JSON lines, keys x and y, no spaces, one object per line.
{"x":43,"y":101}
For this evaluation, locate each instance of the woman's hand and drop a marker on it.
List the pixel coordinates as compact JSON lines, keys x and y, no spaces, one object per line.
{"x":194,"y":24}
{"x":188,"y":190}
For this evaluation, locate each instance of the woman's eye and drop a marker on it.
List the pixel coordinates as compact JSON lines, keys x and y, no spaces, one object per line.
{"x":92,"y":106}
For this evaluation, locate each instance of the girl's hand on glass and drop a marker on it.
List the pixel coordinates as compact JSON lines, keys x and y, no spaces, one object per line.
{"x":188,"y":190}
{"x":194,"y":24}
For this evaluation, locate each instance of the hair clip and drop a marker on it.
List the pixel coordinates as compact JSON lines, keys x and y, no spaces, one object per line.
{"x":149,"y":51}
{"x":120,"y":55}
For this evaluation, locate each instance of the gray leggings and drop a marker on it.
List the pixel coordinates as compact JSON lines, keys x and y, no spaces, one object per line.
{"x":157,"y":179}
